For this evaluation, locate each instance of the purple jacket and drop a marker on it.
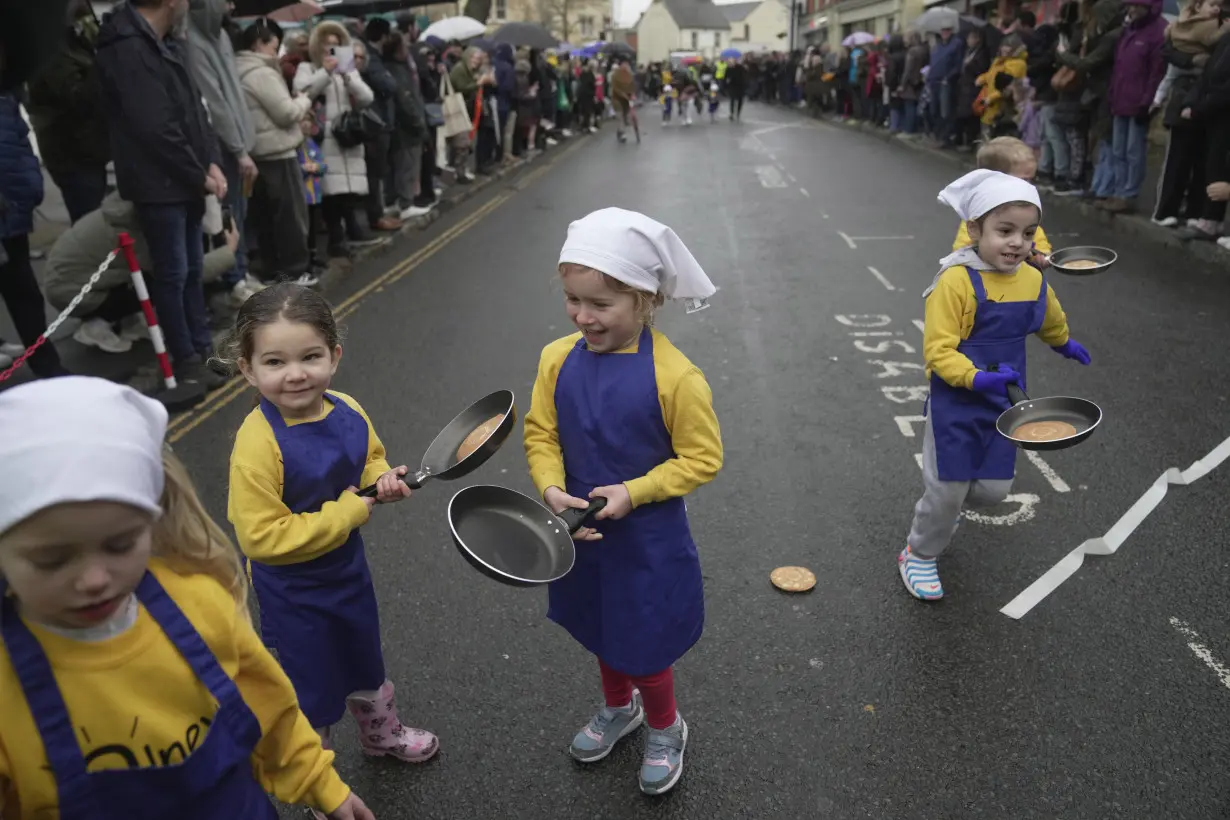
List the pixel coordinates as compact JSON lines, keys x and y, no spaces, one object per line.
{"x":1139,"y":65}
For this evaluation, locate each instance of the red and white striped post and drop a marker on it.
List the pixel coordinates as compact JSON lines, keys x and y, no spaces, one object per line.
{"x":177,"y":396}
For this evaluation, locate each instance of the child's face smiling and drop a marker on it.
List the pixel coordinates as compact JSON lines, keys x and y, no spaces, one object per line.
{"x":1006,"y":235}
{"x":74,"y":565}
{"x":606,"y":317}
{"x":292,"y":366}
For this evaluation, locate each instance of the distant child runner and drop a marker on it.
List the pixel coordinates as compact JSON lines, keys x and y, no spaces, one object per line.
{"x":298,"y":459}
{"x":132,"y":680}
{"x":619,"y":413}
{"x":984,"y":303}
{"x":1010,"y":156}
{"x":313,"y":167}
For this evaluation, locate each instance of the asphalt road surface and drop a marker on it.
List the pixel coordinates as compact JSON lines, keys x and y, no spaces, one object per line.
{"x":1108,"y":700}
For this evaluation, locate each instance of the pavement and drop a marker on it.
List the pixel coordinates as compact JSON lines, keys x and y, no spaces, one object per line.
{"x":1110,"y":699}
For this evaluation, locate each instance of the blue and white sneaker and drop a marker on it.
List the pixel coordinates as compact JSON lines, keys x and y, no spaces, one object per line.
{"x":605,"y":729}
{"x":663,"y":764}
{"x":920,"y":575}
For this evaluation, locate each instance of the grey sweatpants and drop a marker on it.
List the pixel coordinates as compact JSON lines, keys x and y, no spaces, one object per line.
{"x":938,"y":512}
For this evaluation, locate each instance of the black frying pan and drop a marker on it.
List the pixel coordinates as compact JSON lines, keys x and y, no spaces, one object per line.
{"x":512,"y":538}
{"x":1082,"y":414}
{"x":441,"y":462}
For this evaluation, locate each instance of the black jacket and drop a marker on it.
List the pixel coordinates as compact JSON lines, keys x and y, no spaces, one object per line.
{"x":1210,"y":98}
{"x":66,"y":109}
{"x":161,"y":139}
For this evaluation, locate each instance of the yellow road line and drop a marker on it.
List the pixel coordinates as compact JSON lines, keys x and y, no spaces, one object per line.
{"x":183,"y":424}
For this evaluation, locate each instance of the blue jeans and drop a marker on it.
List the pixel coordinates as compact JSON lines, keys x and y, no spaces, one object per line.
{"x":1056,"y":159}
{"x":943,"y":103}
{"x":1104,"y":172}
{"x":909,"y":116}
{"x":1128,"y":148}
{"x":177,"y":253}
{"x":83,"y":190}
{"x":238,"y":203}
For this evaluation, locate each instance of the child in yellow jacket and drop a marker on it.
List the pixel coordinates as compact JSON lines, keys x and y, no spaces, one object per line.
{"x":1010,"y":156}
{"x":132,"y":680}
{"x":1010,"y":62}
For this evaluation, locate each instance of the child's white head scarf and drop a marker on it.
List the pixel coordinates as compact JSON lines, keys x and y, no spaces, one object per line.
{"x":78,"y":439}
{"x":973,"y":196}
{"x":638,"y":251}
{"x":976,"y":194}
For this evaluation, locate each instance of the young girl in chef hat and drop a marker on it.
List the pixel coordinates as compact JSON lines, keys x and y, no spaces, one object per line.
{"x":984,"y":303}
{"x":132,"y":679}
{"x":619,"y":412}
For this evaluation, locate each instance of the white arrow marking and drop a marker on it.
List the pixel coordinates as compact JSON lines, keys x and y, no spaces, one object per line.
{"x":1201,"y":651}
{"x":906,"y":425}
{"x":1023,"y":513}
{"x":1052,"y":477}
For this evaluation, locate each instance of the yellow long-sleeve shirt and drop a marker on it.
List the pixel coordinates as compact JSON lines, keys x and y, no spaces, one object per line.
{"x":963,"y":240}
{"x":265,"y":527}
{"x":949,"y":317}
{"x":136,"y":703}
{"x":687,"y":411}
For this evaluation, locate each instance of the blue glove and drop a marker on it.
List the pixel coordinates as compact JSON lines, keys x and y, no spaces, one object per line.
{"x":995,"y":382}
{"x":1072,"y":349}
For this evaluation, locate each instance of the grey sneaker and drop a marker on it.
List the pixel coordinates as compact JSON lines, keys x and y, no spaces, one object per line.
{"x":605,"y":729}
{"x":663,"y":764}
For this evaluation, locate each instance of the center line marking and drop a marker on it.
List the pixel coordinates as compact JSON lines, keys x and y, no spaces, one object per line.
{"x":883,"y":279}
{"x":1201,"y":651}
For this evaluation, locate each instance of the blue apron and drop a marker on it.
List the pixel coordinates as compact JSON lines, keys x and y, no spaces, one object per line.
{"x":635,"y":599}
{"x":214,"y":781}
{"x":967,"y":446}
{"x":320,"y":616}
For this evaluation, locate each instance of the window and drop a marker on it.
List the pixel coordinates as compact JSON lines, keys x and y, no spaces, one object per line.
{"x":747,"y":32}
{"x":695,"y":41}
{"x":501,"y":9}
{"x":717,"y":39}
{"x":587,"y":26}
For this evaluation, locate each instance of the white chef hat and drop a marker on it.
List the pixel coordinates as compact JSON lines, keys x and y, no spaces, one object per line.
{"x":976,"y":194}
{"x":638,"y":251}
{"x":77,"y":439}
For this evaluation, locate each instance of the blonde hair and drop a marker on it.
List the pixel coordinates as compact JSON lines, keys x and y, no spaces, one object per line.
{"x":645,"y":303}
{"x":1004,"y":154}
{"x":189,"y":541}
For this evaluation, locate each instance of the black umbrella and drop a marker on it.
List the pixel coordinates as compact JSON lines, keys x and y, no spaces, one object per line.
{"x":619,"y":50}
{"x":530,"y":35}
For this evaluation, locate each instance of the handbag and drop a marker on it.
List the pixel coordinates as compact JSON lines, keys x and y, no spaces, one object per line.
{"x":453,"y":109}
{"x":434,"y":113}
{"x":1066,"y":79}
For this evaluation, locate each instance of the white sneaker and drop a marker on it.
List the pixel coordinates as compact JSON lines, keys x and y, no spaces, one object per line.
{"x":593,"y":129}
{"x":241,"y":292}
{"x":99,"y":333}
{"x":11,"y":349}
{"x":1224,"y":243}
{"x":308,"y":280}
{"x":552,"y":141}
{"x":1168,"y":222}
{"x":414,"y":211}
{"x":567,"y":132}
{"x":133,"y":328}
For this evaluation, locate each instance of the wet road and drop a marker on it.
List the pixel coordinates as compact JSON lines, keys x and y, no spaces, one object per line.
{"x":854,"y":701}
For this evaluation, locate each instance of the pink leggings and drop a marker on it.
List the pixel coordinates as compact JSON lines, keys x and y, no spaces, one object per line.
{"x":657,"y":691}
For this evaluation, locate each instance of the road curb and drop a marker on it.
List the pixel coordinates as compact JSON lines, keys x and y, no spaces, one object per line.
{"x":1127,"y":224}
{"x":457,"y":195}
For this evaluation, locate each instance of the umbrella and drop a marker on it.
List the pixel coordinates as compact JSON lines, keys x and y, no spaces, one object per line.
{"x":483,"y":43}
{"x":296,"y":12}
{"x":731,"y":54}
{"x":269,"y":8}
{"x":936,"y":19}
{"x":858,"y":38}
{"x":455,"y":28}
{"x":991,"y":35}
{"x":530,"y":35}
{"x":619,"y":49}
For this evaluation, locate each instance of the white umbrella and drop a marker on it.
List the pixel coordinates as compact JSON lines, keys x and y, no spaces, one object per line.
{"x":858,"y":38}
{"x":455,"y":28}
{"x":937,"y":19}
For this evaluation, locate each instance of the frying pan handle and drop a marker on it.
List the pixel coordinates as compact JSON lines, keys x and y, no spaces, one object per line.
{"x":370,"y":492}
{"x":1015,"y":394}
{"x":575,"y":519}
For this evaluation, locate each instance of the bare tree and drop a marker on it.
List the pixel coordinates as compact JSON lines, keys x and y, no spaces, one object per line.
{"x":556,"y":17}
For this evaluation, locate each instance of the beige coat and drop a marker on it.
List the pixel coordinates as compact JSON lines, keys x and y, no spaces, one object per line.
{"x":347,"y":169}
{"x":275,"y":113}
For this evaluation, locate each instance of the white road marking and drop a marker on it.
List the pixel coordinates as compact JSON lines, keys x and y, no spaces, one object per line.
{"x":1024,"y":512}
{"x":882,"y":278}
{"x":770,"y":177}
{"x":864,"y":319}
{"x":909,"y":394}
{"x":822,"y":216}
{"x":1110,"y":543}
{"x":918,"y":323}
{"x":773,"y":156}
{"x":849,"y":241}
{"x":906,"y":425}
{"x":803,"y":191}
{"x":919,"y":458}
{"x":894,"y":370}
{"x":1201,"y":651}
{"x":1048,"y":472}
{"x":881,"y":238}
{"x":882,"y":347}
{"x":865,"y":333}
{"x":790,"y":177}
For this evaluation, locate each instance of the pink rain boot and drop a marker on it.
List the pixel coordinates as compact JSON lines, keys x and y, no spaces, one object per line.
{"x":382,"y":733}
